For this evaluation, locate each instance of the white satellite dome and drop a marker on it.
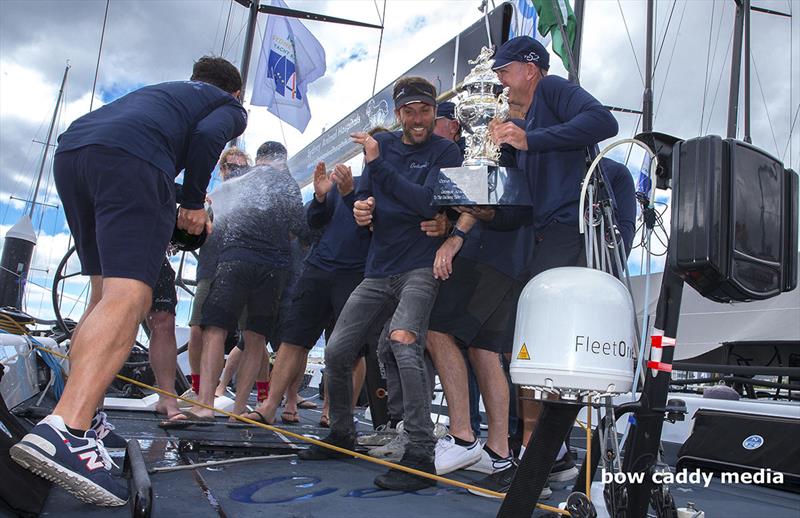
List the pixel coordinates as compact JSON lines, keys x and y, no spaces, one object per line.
{"x":574,"y":332}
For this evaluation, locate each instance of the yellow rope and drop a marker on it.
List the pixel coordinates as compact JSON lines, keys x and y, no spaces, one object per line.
{"x":318,"y":442}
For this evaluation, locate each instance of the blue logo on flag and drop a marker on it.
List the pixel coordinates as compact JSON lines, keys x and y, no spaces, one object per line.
{"x":281,"y":69}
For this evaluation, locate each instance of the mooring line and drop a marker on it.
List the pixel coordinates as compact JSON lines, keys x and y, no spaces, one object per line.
{"x":316,"y":442}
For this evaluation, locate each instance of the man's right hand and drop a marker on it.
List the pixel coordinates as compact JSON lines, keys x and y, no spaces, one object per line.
{"x":322,"y":184}
{"x":362,"y":211}
{"x":194,"y":221}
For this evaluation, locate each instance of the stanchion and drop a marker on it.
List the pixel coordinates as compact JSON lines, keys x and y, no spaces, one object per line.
{"x":141,"y":491}
{"x":540,"y":455}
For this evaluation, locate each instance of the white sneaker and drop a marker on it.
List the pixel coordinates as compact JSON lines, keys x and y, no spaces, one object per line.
{"x":189,"y":394}
{"x":450,"y":457}
{"x":394,"y":449}
{"x":488,"y":465}
{"x":383,"y":435}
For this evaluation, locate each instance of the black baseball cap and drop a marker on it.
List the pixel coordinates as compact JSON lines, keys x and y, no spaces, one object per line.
{"x":523,"y":49}
{"x":446,"y":110}
{"x":409,"y":90}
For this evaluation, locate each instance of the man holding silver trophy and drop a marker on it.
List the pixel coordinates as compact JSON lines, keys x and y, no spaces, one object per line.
{"x":519,"y":237}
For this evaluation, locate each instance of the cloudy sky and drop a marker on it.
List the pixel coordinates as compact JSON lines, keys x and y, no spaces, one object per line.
{"x":149,"y":41}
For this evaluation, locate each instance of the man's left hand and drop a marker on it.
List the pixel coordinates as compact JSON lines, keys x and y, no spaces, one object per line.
{"x":508,"y":133}
{"x":443,"y":264}
{"x":436,"y":227}
{"x":194,"y":221}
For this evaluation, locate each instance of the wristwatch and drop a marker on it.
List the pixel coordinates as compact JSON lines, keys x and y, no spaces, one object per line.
{"x":458,"y":232}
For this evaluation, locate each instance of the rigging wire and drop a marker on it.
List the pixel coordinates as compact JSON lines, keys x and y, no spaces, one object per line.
{"x":99,"y":53}
{"x":382,"y":17}
{"x":225,"y":34}
{"x":719,"y":83}
{"x":708,"y":62}
{"x":664,"y":36}
{"x":764,"y":100}
{"x":630,"y":40}
{"x":789,"y":140}
{"x":669,"y":63}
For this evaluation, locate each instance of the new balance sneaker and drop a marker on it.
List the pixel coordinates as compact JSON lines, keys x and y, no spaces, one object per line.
{"x":397,"y":480}
{"x":383,"y":434}
{"x":189,"y":394}
{"x":564,"y":470}
{"x":105,"y":432}
{"x":500,"y":482}
{"x":488,"y":465}
{"x":451,"y":456}
{"x":80,"y":465}
{"x":395,"y":448}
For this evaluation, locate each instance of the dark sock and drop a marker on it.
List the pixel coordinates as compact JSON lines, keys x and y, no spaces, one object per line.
{"x":75,"y":431}
{"x":492,"y":453}
{"x":462,"y":442}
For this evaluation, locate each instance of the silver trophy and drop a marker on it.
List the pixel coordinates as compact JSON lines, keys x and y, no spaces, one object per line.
{"x":481,"y":180}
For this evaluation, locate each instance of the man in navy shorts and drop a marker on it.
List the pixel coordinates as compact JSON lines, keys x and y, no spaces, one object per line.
{"x":114,"y":170}
{"x":333,"y":270}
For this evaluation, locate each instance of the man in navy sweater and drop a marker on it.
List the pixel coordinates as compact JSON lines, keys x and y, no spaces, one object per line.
{"x":394,"y":196}
{"x":561,"y":121}
{"x":114,"y":170}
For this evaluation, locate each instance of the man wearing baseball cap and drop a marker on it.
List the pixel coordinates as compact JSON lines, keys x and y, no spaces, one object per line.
{"x":561,"y":121}
{"x":447,"y":124}
{"x":394,"y":196}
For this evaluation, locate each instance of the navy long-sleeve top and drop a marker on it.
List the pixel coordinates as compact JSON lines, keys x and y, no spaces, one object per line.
{"x":401,"y":180}
{"x":264,"y":207}
{"x":624,"y":197}
{"x":343,"y":245}
{"x":562,"y":121}
{"x":173,"y":126}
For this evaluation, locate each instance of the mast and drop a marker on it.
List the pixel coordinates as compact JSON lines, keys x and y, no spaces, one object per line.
{"x":647,"y":96}
{"x":47,"y":142}
{"x":746,"y":9}
{"x":247,"y":51}
{"x":574,"y":74}
{"x":736,"y":65}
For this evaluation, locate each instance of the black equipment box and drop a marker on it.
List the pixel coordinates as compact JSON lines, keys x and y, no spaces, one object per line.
{"x":730,"y":443}
{"x":734,"y":220}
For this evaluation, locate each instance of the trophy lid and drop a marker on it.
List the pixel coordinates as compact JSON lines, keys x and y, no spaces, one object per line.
{"x":482,"y":73}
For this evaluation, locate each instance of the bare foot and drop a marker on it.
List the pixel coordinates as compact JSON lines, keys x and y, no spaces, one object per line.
{"x":167,"y":407}
{"x":202,"y":412}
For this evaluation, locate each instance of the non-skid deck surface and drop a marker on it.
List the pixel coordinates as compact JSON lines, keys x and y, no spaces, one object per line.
{"x":289,"y":487}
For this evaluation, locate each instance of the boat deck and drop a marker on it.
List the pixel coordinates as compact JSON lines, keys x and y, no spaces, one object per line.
{"x":287,"y":487}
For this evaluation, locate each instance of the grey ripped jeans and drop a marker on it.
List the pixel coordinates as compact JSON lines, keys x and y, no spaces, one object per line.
{"x":407,"y":299}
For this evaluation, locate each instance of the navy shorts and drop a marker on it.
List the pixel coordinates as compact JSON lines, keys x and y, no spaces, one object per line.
{"x":555,"y":246}
{"x":319,"y":297}
{"x":477,"y":305}
{"x":165,"y":296}
{"x":120,"y":210}
{"x":237,"y":285}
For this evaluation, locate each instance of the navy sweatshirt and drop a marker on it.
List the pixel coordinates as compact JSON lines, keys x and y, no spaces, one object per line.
{"x":562,"y":121}
{"x":343,"y":245}
{"x":624,"y":193}
{"x":401,"y":179}
{"x":173,"y":126}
